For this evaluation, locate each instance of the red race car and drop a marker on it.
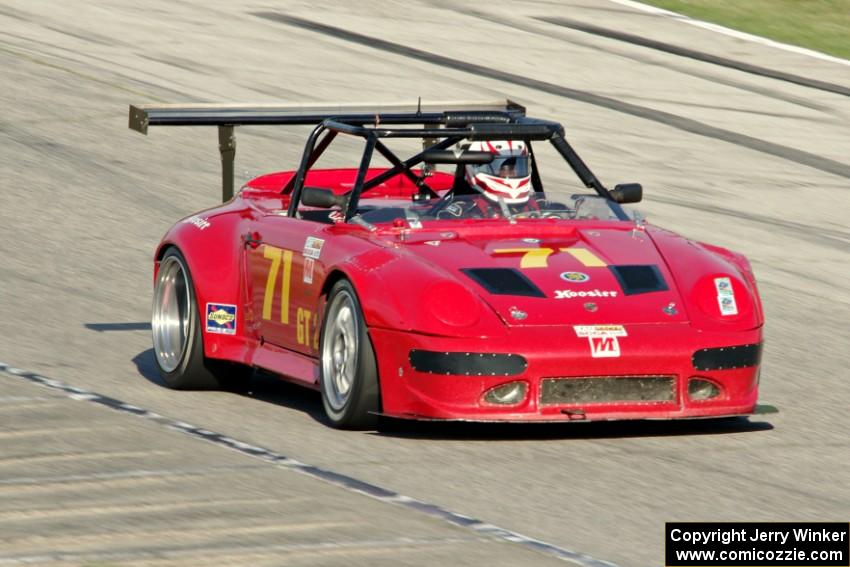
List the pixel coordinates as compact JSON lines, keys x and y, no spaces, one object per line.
{"x":448,"y":284}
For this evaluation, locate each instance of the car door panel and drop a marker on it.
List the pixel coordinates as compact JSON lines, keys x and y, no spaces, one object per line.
{"x":283,"y":276}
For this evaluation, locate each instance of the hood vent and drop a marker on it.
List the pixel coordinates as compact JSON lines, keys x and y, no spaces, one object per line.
{"x":639,"y":279}
{"x":504,"y":281}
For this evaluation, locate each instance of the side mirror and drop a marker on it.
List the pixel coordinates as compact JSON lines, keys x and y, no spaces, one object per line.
{"x":448,"y":156}
{"x":627,"y":193}
{"x":322,"y":198}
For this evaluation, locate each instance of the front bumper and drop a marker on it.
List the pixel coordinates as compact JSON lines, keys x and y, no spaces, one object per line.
{"x":648,"y":352}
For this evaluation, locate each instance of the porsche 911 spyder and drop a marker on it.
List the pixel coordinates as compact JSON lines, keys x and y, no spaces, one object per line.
{"x":448,"y":283}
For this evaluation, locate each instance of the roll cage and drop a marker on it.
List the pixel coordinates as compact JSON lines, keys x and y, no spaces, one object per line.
{"x":439,"y":125}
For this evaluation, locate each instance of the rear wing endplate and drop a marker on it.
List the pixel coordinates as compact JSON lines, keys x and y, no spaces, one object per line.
{"x":226,"y":117}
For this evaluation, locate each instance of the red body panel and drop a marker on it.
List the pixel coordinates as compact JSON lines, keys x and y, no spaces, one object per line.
{"x":415,"y":295}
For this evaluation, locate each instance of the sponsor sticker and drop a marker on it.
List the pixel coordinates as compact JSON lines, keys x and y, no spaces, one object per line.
{"x":200,"y":222}
{"x":575,"y":277}
{"x":313,"y":247}
{"x":725,"y":296}
{"x":221,"y":318}
{"x":570,"y":294}
{"x":309,"y":263}
{"x":336,"y":216}
{"x":600,"y":330}
{"x":603,"y":339}
{"x":531,"y":240}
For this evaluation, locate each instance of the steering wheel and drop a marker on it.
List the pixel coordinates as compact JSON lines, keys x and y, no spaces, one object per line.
{"x":453,"y":208}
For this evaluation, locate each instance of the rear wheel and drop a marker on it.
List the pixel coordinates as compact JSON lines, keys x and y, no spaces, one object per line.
{"x":349,"y":374}
{"x":177,"y":335}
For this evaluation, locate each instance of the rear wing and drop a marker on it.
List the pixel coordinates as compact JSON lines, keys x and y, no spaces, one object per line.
{"x":226,"y":117}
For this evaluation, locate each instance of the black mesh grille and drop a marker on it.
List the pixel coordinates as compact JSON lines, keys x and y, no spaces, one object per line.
{"x":639,"y":279}
{"x":467,"y":363}
{"x":608,"y":389}
{"x":724,"y":358}
{"x":504,"y":281}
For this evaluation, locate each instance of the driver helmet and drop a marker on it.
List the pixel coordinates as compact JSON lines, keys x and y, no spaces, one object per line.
{"x":508,"y":176}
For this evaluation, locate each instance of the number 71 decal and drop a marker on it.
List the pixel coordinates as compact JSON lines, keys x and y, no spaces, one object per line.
{"x":307,"y":330}
{"x":275,"y":255}
{"x":539,"y":257}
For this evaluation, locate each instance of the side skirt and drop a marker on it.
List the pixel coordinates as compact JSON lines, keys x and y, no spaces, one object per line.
{"x":290,"y":365}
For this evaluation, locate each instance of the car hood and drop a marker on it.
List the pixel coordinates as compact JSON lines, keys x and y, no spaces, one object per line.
{"x":605,"y":274}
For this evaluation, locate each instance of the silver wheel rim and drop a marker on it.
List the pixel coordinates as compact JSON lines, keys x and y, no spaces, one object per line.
{"x":171,"y":314}
{"x":339,"y":351}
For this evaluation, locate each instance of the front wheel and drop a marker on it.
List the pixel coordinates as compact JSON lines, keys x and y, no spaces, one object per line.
{"x":177,"y":336}
{"x":349,"y":375}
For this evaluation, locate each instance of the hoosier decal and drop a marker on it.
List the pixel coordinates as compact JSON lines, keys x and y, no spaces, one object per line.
{"x":569,"y":294}
{"x":221,"y":318}
{"x":200,"y":222}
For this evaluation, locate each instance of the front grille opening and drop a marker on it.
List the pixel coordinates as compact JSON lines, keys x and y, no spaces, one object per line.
{"x":639,"y":279}
{"x":608,"y":389}
{"x":504,"y":281}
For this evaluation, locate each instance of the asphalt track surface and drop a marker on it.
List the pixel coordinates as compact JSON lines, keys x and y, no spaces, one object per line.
{"x":100,"y":464}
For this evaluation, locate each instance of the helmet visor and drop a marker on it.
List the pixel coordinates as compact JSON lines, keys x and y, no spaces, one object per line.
{"x":508,"y":167}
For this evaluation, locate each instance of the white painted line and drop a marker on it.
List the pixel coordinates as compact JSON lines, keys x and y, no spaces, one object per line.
{"x":340,"y":480}
{"x":730,"y":32}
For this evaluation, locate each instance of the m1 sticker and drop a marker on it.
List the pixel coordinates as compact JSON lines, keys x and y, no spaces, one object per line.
{"x":602,"y":339}
{"x":313,"y":247}
{"x":221,"y":318}
{"x":725,"y":296}
{"x":309,"y":263}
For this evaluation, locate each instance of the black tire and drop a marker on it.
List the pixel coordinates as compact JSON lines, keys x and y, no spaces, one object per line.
{"x":348,"y":370}
{"x":178,"y":336}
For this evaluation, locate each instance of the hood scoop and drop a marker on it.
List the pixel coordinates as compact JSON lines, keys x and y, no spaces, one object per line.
{"x":639,"y":279}
{"x":504,"y":281}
